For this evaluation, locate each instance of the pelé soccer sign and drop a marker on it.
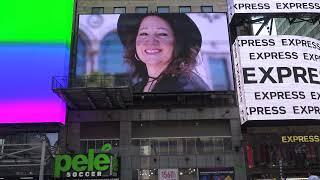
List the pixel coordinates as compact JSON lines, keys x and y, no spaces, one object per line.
{"x":90,"y":165}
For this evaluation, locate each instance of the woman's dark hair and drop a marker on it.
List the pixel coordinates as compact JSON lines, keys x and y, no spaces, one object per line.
{"x":184,"y":55}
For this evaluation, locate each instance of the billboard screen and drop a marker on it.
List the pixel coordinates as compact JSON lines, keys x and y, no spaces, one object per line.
{"x":34,"y":47}
{"x":157,"y":53}
{"x":277,"y":77}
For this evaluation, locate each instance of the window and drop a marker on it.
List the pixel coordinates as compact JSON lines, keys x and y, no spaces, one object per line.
{"x":218,"y":144}
{"x":163,"y":146}
{"x":191,"y":146}
{"x":1,"y":146}
{"x":97,"y":10}
{"x":141,"y":9}
{"x":184,"y":9}
{"x":135,"y":142}
{"x":163,"y":9}
{"x":154,"y":146}
{"x":96,"y":144}
{"x":200,"y":145}
{"x":110,"y":55}
{"x":91,"y":145}
{"x":227,"y":143}
{"x":208,"y":144}
{"x":99,"y":144}
{"x":119,"y":10}
{"x":172,"y":146}
{"x":206,"y":9}
{"x":181,"y":146}
{"x":81,"y":57}
{"x":218,"y":68}
{"x":145,"y":148}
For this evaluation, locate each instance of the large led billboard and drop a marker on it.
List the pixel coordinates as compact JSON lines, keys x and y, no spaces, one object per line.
{"x":34,"y":46}
{"x":156,"y":53}
{"x":277,"y":77}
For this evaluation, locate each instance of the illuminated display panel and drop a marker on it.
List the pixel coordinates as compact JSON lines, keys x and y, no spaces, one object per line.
{"x":34,"y":47}
{"x":36,"y":22}
{"x":277,"y":77}
{"x":104,"y":41}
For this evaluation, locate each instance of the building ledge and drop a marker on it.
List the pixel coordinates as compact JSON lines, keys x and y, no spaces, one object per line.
{"x":81,"y":94}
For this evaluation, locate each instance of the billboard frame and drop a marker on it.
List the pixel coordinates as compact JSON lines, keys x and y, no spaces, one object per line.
{"x":73,"y":60}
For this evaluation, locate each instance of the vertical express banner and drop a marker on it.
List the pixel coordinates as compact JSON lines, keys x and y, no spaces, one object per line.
{"x":277,"y":77}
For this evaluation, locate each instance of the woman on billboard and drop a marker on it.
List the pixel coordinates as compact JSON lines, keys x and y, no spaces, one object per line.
{"x":161,"y":50}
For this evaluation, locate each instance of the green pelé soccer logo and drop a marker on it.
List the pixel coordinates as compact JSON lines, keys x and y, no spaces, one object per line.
{"x":93,"y":164}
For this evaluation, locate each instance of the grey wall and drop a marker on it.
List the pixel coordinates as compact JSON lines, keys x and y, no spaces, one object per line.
{"x":180,"y":128}
{"x":100,"y":130}
{"x":154,"y":114}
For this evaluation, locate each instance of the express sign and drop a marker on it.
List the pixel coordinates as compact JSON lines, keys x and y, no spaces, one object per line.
{"x":87,"y":165}
{"x":300,"y":139}
{"x":272,"y":6}
{"x":278,"y":77}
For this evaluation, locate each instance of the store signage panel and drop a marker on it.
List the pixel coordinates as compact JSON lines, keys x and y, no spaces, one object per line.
{"x":272,"y":6}
{"x":168,"y":174}
{"x":91,"y":165}
{"x":280,"y":77}
{"x":200,"y":59}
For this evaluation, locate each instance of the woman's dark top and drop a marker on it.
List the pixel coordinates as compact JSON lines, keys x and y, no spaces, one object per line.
{"x":176,"y":83}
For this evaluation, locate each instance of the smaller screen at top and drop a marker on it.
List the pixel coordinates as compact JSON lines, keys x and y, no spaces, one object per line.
{"x":155,"y":53}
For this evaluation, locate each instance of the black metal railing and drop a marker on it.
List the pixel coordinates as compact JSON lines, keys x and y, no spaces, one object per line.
{"x":103,"y":81}
{"x":212,"y":98}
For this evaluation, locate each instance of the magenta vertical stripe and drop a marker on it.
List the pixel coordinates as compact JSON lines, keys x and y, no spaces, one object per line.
{"x":32,"y":112}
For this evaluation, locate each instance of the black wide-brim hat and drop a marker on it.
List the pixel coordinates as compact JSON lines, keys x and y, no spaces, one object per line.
{"x":182,"y":25}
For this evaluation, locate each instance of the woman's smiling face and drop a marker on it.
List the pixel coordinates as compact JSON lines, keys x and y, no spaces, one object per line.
{"x":155,"y":41}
